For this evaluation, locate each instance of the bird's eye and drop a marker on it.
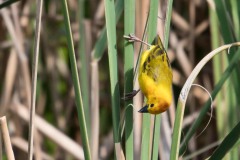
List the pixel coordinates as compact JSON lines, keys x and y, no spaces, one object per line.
{"x":151,"y":105}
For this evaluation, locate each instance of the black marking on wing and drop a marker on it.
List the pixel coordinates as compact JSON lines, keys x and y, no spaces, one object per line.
{"x":168,"y":62}
{"x":149,"y":59}
{"x":162,"y":51}
{"x":154,"y":50}
{"x":158,"y":53}
{"x":155,"y":77}
{"x":149,"y":70}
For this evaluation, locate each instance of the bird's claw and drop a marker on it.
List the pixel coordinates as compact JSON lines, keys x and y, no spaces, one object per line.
{"x":131,"y":38}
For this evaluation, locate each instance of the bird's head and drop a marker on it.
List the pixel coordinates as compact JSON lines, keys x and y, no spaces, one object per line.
{"x":155,"y":106}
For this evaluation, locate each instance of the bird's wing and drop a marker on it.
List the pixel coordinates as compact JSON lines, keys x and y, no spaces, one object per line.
{"x":157,"y":65}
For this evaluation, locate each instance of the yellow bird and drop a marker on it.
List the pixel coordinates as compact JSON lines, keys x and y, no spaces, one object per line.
{"x":155,"y":78}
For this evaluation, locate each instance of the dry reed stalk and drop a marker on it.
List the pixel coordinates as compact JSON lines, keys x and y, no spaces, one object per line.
{"x":95,"y":109}
{"x":34,"y":78}
{"x":6,"y":138}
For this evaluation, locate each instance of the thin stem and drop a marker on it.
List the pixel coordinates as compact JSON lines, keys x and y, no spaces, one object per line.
{"x":133,"y":38}
{"x":34,"y":77}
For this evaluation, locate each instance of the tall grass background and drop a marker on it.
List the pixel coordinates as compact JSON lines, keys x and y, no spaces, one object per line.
{"x":85,"y":67}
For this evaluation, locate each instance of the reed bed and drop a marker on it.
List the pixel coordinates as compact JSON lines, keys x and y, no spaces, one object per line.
{"x":66,"y":66}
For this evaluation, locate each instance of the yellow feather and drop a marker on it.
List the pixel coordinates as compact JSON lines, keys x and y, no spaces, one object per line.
{"x":155,"y":79}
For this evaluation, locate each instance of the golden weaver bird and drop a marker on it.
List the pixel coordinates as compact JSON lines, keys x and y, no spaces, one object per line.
{"x":155,"y":78}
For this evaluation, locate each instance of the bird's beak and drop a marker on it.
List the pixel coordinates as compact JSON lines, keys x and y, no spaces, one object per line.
{"x":144,"y":109}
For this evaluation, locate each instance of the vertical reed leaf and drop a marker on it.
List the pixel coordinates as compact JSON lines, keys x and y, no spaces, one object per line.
{"x":215,"y":42}
{"x":167,"y":23}
{"x":84,"y":77}
{"x":112,"y":56}
{"x":78,"y":96}
{"x":228,"y":36}
{"x":129,"y":28}
{"x":235,"y":5}
{"x":224,"y":21}
{"x":101,"y":43}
